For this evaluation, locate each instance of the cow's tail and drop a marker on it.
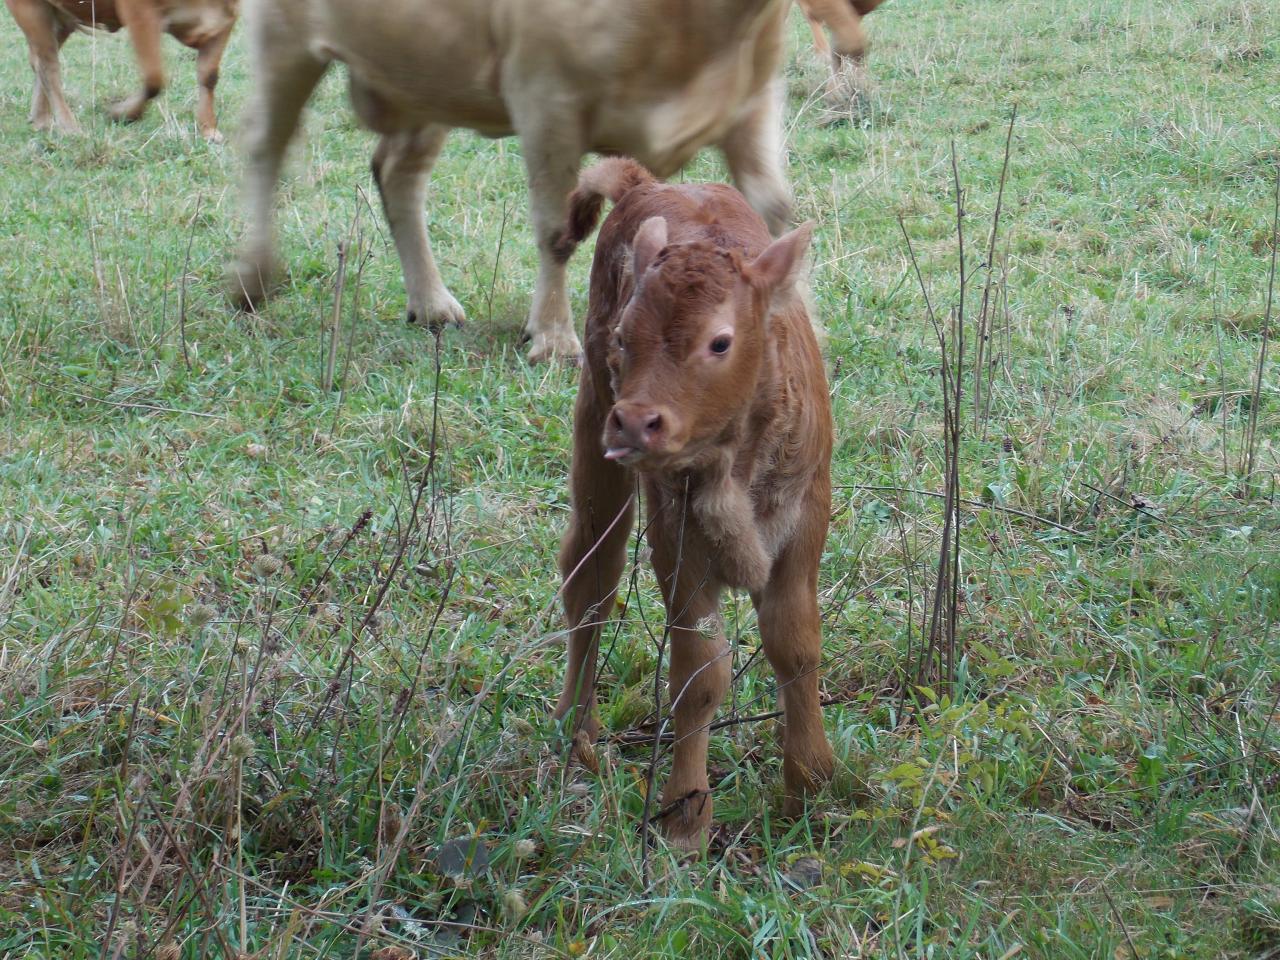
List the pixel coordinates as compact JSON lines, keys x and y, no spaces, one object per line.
{"x":608,"y":180}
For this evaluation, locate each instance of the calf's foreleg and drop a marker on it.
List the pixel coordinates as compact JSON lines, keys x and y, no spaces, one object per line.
{"x":592,"y":554}
{"x":791,"y":630}
{"x":699,"y":678}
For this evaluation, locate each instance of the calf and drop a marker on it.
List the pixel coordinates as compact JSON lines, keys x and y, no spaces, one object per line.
{"x":654,"y":79}
{"x":204,"y":25}
{"x":703,"y":379}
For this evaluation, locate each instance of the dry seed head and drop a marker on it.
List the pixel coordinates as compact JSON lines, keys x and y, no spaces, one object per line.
{"x":266,"y":565}
{"x":168,"y":951}
{"x":200,"y":614}
{"x":513,"y":904}
{"x":241,"y":747}
{"x":525,"y":849}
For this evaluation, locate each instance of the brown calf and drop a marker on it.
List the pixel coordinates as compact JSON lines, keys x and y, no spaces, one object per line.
{"x":703,"y":378}
{"x":204,"y":25}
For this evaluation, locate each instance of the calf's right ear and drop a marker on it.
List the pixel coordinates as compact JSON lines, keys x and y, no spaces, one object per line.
{"x":648,"y":242}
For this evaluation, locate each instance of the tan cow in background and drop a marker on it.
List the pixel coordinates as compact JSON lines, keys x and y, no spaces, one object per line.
{"x":655,"y":79}
{"x":204,"y":25}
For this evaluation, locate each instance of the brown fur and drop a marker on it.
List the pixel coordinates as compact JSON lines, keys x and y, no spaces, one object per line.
{"x":733,"y":452}
{"x":655,"y":79}
{"x":204,"y":25}
{"x":843,"y":18}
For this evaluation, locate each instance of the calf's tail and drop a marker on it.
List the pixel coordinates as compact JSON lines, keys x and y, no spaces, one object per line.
{"x":609,"y":179}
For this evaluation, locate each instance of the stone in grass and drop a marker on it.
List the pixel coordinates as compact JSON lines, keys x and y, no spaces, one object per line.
{"x":462,"y":858}
{"x":804,"y":873}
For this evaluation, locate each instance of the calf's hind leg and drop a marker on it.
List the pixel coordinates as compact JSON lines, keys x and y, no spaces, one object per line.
{"x":401,"y":164}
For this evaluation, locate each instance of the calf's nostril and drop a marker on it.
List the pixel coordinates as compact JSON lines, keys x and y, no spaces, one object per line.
{"x":653,"y":423}
{"x":616,"y":417}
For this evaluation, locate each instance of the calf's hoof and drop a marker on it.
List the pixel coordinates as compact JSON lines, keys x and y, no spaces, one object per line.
{"x":444,"y":312}
{"x":803,"y":780}
{"x":687,"y":821}
{"x":213,"y":135}
{"x":555,"y":345}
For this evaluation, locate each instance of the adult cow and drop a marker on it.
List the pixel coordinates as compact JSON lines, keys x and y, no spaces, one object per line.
{"x":655,"y":79}
{"x":203,"y":25}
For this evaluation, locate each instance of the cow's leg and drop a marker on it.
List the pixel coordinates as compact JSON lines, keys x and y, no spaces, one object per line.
{"x":791,"y":629}
{"x":552,"y":149}
{"x":45,"y":35}
{"x":593,"y":551}
{"x":286,"y":75}
{"x":820,"y":41}
{"x":753,"y":151}
{"x":208,"y":60}
{"x":699,"y":678}
{"x":142,"y":20}
{"x":845,"y":24}
{"x":401,"y":164}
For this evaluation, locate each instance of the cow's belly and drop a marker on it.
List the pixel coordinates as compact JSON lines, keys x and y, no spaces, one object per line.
{"x":661,"y":136}
{"x":412,"y":64}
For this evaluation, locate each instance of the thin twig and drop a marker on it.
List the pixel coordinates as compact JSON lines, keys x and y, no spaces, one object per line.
{"x":123,"y":404}
{"x":182,"y":284}
{"x":984,"y":317}
{"x":1251,"y":435}
{"x":497,"y":256}
{"x":335,"y":325}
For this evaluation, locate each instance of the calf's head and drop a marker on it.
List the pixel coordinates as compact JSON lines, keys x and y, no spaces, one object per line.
{"x":687,"y":351}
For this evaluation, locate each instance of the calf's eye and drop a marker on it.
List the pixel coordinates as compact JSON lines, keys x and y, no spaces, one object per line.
{"x":720,"y":345}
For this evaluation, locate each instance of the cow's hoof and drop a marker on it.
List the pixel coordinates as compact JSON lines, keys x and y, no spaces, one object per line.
{"x":213,"y":136}
{"x":248,"y":285}
{"x":445,"y":312}
{"x":62,"y":127}
{"x":555,"y":345}
{"x":126,"y":111}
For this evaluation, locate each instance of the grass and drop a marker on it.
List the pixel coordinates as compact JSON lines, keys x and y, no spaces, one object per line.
{"x":249,"y":691}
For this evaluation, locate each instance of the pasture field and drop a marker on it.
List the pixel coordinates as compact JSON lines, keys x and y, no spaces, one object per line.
{"x":276,"y":625}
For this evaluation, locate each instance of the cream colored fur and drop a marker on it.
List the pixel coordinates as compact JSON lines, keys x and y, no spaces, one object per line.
{"x":654,"y":79}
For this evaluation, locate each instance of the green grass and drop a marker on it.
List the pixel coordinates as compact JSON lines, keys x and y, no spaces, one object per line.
{"x":1103,"y":779}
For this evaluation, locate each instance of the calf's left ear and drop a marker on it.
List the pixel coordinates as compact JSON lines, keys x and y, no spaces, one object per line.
{"x":778,"y":266}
